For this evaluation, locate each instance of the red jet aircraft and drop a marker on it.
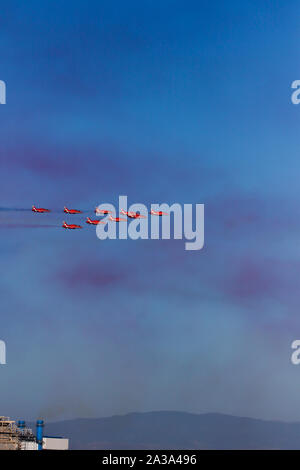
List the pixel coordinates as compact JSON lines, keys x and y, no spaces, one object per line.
{"x":116,"y":219}
{"x":71,"y":211}
{"x":40,"y":210}
{"x":70,"y":226}
{"x":152,"y":212}
{"x":102,"y":211}
{"x":133,"y":215}
{"x":94,"y":222}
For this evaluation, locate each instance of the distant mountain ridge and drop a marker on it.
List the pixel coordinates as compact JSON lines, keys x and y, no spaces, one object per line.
{"x":176,"y":430}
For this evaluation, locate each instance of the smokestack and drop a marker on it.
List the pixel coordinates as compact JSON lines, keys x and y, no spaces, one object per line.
{"x":39,"y":433}
{"x":21,"y":424}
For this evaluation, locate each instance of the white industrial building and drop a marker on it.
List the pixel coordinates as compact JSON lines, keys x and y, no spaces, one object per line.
{"x":55,"y":443}
{"x":49,"y":443}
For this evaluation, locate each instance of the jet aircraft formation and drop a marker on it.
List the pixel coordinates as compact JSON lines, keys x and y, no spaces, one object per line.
{"x":130,"y":214}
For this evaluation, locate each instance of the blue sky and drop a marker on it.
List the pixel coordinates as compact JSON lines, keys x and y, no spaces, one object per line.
{"x":184,"y":102}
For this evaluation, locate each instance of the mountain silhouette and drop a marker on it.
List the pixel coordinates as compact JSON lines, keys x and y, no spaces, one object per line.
{"x":176,"y":430}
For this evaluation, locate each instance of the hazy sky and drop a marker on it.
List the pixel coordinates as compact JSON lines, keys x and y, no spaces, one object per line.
{"x":171,"y":101}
